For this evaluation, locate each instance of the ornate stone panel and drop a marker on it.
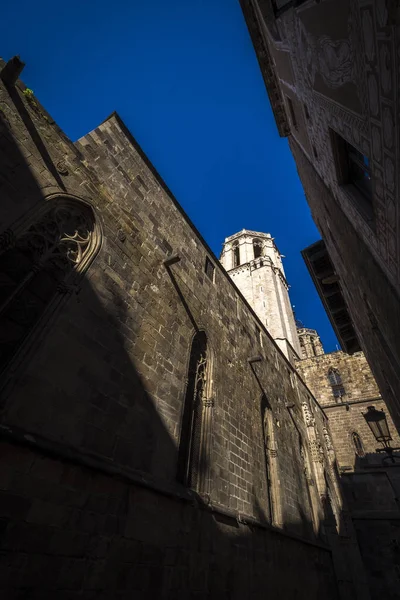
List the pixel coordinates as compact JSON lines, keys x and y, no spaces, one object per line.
{"x":357,"y":49}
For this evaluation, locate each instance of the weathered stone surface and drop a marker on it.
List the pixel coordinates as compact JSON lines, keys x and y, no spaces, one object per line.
{"x":333,"y":66}
{"x":93,"y":404}
{"x":254,"y":263}
{"x":345,"y":414}
{"x":353,"y":96}
{"x":370,"y":480}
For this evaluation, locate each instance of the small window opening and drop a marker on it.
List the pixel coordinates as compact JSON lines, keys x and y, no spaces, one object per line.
{"x":336,"y":384}
{"x":358,"y":445}
{"x":257,"y":248}
{"x":210,"y":269}
{"x":191,"y":465}
{"x":259,"y":335}
{"x":236,"y":254}
{"x":354,"y":170}
{"x":292,"y":113}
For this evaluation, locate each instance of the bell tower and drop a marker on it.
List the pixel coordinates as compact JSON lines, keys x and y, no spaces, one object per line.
{"x":254,"y":263}
{"x":310,"y":342}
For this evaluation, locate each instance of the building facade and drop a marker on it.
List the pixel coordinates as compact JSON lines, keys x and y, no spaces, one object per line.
{"x":331,"y":71}
{"x":344,"y":386}
{"x":346,"y":389}
{"x":155,"y":441}
{"x":254,"y":263}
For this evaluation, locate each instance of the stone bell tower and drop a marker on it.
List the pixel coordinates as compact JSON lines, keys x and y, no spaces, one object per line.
{"x":254,"y":263}
{"x":310,"y":342}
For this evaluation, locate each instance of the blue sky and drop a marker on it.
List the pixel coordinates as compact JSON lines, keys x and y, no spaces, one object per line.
{"x":184,"y":77}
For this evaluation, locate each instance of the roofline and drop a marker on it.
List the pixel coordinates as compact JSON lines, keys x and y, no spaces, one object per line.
{"x":248,"y":232}
{"x":306,"y":257}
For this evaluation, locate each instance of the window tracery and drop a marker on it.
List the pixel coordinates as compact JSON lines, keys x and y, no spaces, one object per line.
{"x":37,"y":263}
{"x":194,"y":447}
{"x":336,"y":383}
{"x":271,"y":457}
{"x":358,"y":445}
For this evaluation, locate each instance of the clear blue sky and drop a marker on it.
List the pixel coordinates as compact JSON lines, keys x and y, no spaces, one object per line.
{"x":183,"y":76}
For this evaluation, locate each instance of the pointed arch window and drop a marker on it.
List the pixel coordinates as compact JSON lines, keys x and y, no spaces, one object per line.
{"x":314,"y":348}
{"x":236,"y":254}
{"x":38,"y":263}
{"x":194,"y":447}
{"x":336,"y":383}
{"x":358,"y":445}
{"x":303,"y":347}
{"x":271,"y":459}
{"x":309,"y":481}
{"x":257,"y":248}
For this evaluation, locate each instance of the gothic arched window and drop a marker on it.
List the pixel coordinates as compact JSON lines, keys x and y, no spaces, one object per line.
{"x":271,"y":456}
{"x":236,"y":254}
{"x":358,"y":445}
{"x":257,"y":247}
{"x":302,"y":347}
{"x":38,"y":263}
{"x":335,"y":381}
{"x":196,"y":420}
{"x":314,"y":348}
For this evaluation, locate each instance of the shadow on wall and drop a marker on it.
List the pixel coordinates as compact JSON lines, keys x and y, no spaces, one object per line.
{"x":374,"y":485}
{"x":89,"y":506}
{"x":372,"y":492}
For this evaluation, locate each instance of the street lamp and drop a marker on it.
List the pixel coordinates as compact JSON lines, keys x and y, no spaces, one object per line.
{"x":378,"y":424}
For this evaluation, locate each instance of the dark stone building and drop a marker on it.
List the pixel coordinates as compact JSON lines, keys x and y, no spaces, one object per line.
{"x":331,"y":70}
{"x":346,"y":389}
{"x":155,"y":442}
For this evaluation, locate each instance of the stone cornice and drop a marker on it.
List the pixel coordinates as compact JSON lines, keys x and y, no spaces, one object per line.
{"x":250,"y":233}
{"x":267,"y":68}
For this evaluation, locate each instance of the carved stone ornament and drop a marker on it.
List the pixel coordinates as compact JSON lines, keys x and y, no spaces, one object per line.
{"x":308,"y":416}
{"x":61,"y":237}
{"x":208,"y":402}
{"x":51,"y":249}
{"x":332,"y":59}
{"x":317,"y":452}
{"x":327,"y":439}
{"x":121,"y":235}
{"x":7,"y":239}
{"x":62,"y":167}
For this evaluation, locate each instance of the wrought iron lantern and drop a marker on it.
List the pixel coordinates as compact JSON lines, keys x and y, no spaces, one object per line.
{"x":378,"y":425}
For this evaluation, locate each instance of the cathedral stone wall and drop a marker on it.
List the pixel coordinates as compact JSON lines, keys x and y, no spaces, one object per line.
{"x":355,"y":373}
{"x":370,"y":480}
{"x":345,"y":414}
{"x":93,"y":401}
